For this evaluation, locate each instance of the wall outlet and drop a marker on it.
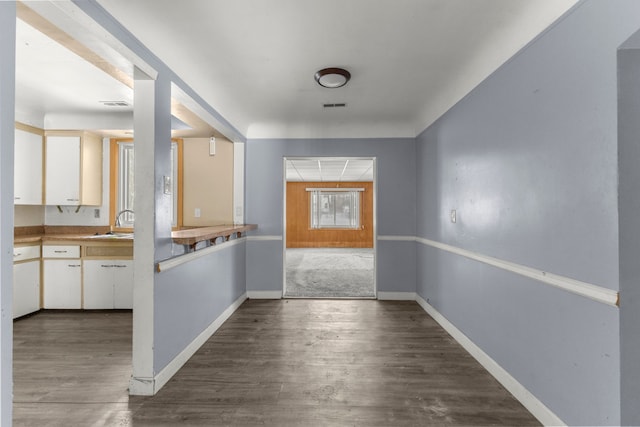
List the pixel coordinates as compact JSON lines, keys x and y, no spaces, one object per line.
{"x":453,"y":215}
{"x":196,"y":212}
{"x":96,"y":213}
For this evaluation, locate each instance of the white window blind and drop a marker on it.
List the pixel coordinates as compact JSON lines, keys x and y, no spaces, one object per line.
{"x":335,"y":207}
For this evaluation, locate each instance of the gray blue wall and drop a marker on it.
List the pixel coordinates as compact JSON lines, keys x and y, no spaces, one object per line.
{"x":7,"y":117}
{"x":629,"y":207}
{"x":529,"y":161}
{"x":190,"y":297}
{"x":395,"y":205}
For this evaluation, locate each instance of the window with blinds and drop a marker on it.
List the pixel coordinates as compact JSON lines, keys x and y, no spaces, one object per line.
{"x":335,"y":207}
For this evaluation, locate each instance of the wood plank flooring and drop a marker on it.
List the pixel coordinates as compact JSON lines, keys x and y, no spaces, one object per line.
{"x":273,"y":363}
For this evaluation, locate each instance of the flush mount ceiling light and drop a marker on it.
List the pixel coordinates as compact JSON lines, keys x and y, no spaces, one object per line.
{"x":332,"y":77}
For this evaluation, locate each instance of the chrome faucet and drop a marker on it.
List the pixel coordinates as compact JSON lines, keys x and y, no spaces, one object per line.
{"x":117,"y":224}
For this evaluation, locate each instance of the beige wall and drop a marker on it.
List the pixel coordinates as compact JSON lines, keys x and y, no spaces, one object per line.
{"x":26,"y":215}
{"x":208,"y":182}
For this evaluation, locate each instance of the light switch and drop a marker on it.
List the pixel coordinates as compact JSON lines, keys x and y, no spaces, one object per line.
{"x":167,"y":184}
{"x":453,"y":215}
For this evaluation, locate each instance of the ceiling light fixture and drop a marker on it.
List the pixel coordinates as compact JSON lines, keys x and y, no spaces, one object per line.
{"x":332,"y":77}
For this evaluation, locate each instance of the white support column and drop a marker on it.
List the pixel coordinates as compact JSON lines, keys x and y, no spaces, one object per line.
{"x":7,"y":113}
{"x":152,"y":130}
{"x":238,"y":182}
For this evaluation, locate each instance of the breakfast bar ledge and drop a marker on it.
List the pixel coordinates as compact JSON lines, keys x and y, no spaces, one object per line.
{"x":192,"y":236}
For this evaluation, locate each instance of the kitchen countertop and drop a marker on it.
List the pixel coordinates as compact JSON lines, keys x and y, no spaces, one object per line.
{"x":189,"y":236}
{"x":71,"y":237}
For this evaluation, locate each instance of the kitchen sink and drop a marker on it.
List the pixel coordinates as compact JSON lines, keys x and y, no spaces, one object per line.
{"x":112,"y":236}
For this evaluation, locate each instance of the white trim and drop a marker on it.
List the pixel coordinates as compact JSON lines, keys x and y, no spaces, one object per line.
{"x":238,"y":183}
{"x":263,"y":238}
{"x":150,"y":386}
{"x":528,"y":400}
{"x":397,"y":296}
{"x":141,"y":386}
{"x":264,"y":294}
{"x":398,"y":238}
{"x":588,"y":290}
{"x":170,"y":263}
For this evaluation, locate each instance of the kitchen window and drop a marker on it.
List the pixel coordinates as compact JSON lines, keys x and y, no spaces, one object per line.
{"x":123,"y":184}
{"x":335,"y":208}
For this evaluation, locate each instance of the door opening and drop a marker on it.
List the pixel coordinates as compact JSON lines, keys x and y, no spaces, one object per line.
{"x":329,"y":223}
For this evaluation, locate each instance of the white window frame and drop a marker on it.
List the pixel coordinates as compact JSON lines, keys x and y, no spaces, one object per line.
{"x":315,"y":222}
{"x":124,"y":200}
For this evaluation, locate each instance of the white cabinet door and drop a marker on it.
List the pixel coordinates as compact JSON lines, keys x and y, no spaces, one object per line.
{"x":26,"y":288}
{"x":108,"y":284}
{"x":123,"y":284}
{"x":28,"y":168}
{"x":98,"y":284}
{"x":63,"y":170}
{"x":62,"y":283}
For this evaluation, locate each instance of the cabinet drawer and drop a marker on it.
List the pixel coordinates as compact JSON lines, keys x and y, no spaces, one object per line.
{"x":21,"y":253}
{"x":61,"y":251}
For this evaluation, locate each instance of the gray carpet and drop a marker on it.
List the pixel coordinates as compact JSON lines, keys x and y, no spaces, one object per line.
{"x":330,"y":273}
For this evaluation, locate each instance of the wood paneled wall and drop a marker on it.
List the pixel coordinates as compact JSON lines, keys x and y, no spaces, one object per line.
{"x":299,"y":232}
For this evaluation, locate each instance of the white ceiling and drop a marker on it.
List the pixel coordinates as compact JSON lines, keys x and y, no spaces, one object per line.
{"x":329,"y":170}
{"x":410,"y":60}
{"x":254,"y":60}
{"x":51,"y":80}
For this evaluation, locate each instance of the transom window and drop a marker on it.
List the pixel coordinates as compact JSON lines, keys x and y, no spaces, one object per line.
{"x":335,"y":207}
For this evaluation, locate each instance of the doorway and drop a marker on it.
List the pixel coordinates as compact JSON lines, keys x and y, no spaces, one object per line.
{"x":329,"y":227}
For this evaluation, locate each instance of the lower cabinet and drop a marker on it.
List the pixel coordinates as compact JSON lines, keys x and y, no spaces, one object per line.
{"x":26,"y":287}
{"x":108,"y":284}
{"x":62,"y":283}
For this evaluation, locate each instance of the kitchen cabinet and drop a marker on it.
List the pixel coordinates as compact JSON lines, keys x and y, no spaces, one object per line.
{"x":62,"y":276}
{"x":26,"y":280}
{"x":73,"y":165}
{"x":108,"y":284}
{"x":28,"y":168}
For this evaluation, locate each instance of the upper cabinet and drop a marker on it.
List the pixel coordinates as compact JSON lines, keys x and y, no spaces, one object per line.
{"x":28,"y":167}
{"x":73,"y":168}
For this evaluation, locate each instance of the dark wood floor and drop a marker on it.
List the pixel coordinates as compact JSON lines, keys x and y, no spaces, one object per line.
{"x":274,"y":363}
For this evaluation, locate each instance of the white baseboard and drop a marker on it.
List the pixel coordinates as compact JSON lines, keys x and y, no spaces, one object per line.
{"x":264,"y":294}
{"x":139,"y":386}
{"x":524,"y":396}
{"x":397,"y":296}
{"x":150,"y":386}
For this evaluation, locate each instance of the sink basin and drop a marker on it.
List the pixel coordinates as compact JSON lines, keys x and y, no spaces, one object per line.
{"x":112,"y":236}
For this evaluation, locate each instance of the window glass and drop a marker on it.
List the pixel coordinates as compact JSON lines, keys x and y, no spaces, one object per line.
{"x":126,"y":187}
{"x":335,"y":209}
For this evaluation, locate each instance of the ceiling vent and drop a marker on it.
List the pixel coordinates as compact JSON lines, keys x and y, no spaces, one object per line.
{"x":115,"y":103}
{"x":334,"y":105}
